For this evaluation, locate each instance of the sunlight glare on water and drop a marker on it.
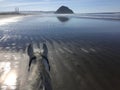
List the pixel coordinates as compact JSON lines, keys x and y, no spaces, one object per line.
{"x":11,"y":78}
{"x":8,"y":70}
{"x":9,"y":20}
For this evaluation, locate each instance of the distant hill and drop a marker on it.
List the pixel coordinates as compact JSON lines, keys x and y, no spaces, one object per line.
{"x":64,"y":10}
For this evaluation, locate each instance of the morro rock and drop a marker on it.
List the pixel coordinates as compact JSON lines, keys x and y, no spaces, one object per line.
{"x":64,"y":10}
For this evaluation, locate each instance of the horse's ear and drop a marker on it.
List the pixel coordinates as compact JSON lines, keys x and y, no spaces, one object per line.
{"x":44,"y":45}
{"x":30,"y":50}
{"x":45,"y":49}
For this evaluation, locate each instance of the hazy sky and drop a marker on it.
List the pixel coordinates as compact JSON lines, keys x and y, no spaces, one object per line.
{"x":79,"y":6}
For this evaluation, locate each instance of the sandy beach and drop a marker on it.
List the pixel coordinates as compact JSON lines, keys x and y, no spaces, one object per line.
{"x":7,"y":16}
{"x":3,"y":16}
{"x":83,"y":53}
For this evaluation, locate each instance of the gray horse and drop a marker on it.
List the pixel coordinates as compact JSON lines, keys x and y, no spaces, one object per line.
{"x":39,"y":69}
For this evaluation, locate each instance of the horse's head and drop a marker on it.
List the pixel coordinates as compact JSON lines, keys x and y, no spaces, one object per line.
{"x":39,"y":68}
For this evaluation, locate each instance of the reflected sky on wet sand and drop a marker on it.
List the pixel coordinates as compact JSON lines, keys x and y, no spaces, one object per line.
{"x":6,"y":21}
{"x":74,"y":44}
{"x":9,"y":64}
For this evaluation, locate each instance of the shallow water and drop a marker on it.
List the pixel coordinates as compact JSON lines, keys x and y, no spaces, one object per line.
{"x":36,"y":28}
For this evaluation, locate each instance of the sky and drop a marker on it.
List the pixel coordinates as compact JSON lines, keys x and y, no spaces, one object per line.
{"x":78,"y":6}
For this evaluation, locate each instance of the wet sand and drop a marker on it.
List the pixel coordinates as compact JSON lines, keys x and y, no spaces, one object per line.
{"x":75,"y":64}
{"x":82,"y":65}
{"x":4,"y":16}
{"x":8,"y":16}
{"x":78,"y":61}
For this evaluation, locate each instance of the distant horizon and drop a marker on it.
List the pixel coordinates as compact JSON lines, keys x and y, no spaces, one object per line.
{"x":54,"y":11}
{"x":78,"y":6}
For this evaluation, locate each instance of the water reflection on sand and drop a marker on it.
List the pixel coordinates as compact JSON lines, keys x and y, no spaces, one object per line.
{"x":9,"y":63}
{"x":63,"y":19}
{"x":83,"y":51}
{"x":10,"y":20}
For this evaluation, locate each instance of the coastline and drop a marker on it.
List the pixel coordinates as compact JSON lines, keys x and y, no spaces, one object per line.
{"x":3,"y":16}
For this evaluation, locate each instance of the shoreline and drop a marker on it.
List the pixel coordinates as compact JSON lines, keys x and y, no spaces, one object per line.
{"x":3,"y":16}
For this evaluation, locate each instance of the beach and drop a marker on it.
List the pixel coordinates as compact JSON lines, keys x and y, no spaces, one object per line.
{"x":83,"y":53}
